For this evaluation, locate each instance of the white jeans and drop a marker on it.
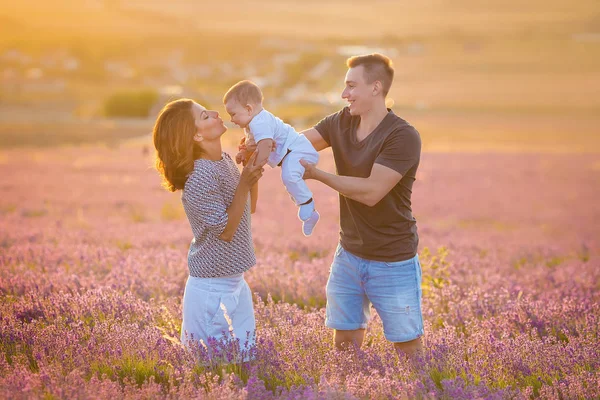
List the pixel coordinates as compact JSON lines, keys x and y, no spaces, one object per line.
{"x":292,"y":171}
{"x":218,"y":308}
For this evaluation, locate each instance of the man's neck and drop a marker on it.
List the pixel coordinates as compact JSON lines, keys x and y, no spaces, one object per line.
{"x":371,"y":119}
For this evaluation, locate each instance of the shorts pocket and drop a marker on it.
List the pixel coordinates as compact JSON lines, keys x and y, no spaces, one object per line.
{"x":338,"y":251}
{"x":224,"y":314}
{"x":213,"y":301}
{"x":401,"y":264}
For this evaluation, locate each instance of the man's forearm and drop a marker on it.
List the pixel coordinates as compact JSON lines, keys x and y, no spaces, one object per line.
{"x":352,"y":187}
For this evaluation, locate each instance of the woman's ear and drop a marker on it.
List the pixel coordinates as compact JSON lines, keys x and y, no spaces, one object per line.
{"x":198,"y":137}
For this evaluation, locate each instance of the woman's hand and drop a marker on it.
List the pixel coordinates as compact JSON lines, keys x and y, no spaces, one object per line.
{"x":251,"y":173}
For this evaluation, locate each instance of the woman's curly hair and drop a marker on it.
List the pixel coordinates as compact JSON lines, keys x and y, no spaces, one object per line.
{"x":176,"y":149}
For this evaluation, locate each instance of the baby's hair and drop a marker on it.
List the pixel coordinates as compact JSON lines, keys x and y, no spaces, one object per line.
{"x":244,"y":92}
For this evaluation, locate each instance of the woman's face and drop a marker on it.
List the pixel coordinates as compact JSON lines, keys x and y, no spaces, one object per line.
{"x":208,"y":123}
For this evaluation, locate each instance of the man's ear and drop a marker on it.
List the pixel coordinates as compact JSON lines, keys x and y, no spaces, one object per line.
{"x":377,"y":87}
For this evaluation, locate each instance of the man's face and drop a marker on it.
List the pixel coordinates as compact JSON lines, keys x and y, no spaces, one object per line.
{"x":358,"y":92}
{"x":240,"y":115}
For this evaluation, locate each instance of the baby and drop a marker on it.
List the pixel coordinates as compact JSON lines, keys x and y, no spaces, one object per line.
{"x":277,"y":144}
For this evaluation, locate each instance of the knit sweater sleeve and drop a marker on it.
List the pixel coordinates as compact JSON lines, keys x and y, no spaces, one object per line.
{"x":206,"y":200}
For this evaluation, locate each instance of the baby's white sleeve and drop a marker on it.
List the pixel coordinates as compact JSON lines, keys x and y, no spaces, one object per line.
{"x":262,"y":128}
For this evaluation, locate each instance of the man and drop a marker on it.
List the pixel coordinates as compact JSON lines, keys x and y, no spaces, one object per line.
{"x":377,"y":155}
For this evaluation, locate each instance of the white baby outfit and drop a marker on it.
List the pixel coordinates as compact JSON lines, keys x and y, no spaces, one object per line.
{"x":290,"y":148}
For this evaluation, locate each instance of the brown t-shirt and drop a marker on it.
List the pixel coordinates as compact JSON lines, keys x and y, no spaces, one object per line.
{"x":387,"y":231}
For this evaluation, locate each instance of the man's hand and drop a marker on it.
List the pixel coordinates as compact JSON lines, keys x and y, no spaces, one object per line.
{"x":310,"y":170}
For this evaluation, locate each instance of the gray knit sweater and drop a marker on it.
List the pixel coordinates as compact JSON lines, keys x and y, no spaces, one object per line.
{"x":208,"y":191}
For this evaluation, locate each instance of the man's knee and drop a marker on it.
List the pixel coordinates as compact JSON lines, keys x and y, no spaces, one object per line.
{"x":410,"y":348}
{"x":345,"y":339}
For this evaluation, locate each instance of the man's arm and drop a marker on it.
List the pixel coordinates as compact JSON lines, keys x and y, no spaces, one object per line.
{"x":315,"y":139}
{"x":368,"y":191}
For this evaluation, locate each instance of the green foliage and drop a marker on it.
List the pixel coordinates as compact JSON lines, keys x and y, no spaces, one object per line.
{"x":6,"y":242}
{"x":34,"y":213}
{"x":437,"y":376}
{"x":133,"y":369}
{"x":124,"y":245}
{"x":435,"y":270}
{"x":172,"y":211}
{"x":133,"y":104}
{"x":435,"y":276}
{"x":137,"y":215}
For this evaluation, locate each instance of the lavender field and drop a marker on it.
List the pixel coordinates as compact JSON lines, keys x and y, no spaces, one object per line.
{"x":93,"y":261}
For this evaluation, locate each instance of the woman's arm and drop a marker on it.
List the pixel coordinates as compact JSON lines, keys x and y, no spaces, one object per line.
{"x":249,"y":177}
{"x":253,"y":198}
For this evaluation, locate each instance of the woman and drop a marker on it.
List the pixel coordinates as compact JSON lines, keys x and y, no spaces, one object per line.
{"x":217,"y":302}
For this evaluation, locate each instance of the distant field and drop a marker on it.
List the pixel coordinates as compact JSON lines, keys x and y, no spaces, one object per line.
{"x":440,"y":132}
{"x":500,"y":75}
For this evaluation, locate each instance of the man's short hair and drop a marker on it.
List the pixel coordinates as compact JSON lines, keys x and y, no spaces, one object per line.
{"x":377,"y":68}
{"x":244,"y":92}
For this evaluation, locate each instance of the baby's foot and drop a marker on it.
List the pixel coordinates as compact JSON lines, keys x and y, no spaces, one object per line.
{"x":309,"y":224}
{"x":306,"y":210}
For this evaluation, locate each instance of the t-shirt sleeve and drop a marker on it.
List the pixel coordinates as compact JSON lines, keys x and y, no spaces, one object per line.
{"x":327,"y":125}
{"x":262,"y":128}
{"x":205,"y":199}
{"x":401,"y":150}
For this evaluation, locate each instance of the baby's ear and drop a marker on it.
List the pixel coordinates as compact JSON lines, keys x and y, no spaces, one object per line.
{"x":249,"y":108}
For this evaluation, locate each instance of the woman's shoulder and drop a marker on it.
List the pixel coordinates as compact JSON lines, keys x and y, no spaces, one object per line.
{"x":208,"y":170}
{"x":203,"y":174}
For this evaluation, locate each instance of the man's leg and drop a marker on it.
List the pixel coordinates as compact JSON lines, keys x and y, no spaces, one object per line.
{"x":348,"y":308}
{"x":394,"y":288}
{"x":348,"y":339}
{"x":411,"y":348}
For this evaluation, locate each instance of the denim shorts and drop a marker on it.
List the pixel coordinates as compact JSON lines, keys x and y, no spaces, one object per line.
{"x":394,"y":289}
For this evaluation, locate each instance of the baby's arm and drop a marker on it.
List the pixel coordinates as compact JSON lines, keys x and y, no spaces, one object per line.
{"x":263,"y":149}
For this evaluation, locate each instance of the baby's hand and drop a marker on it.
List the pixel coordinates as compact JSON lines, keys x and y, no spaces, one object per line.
{"x":240,"y":157}
{"x":242,"y":145}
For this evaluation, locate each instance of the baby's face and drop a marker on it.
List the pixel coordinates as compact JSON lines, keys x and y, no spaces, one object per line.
{"x":240,"y":115}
